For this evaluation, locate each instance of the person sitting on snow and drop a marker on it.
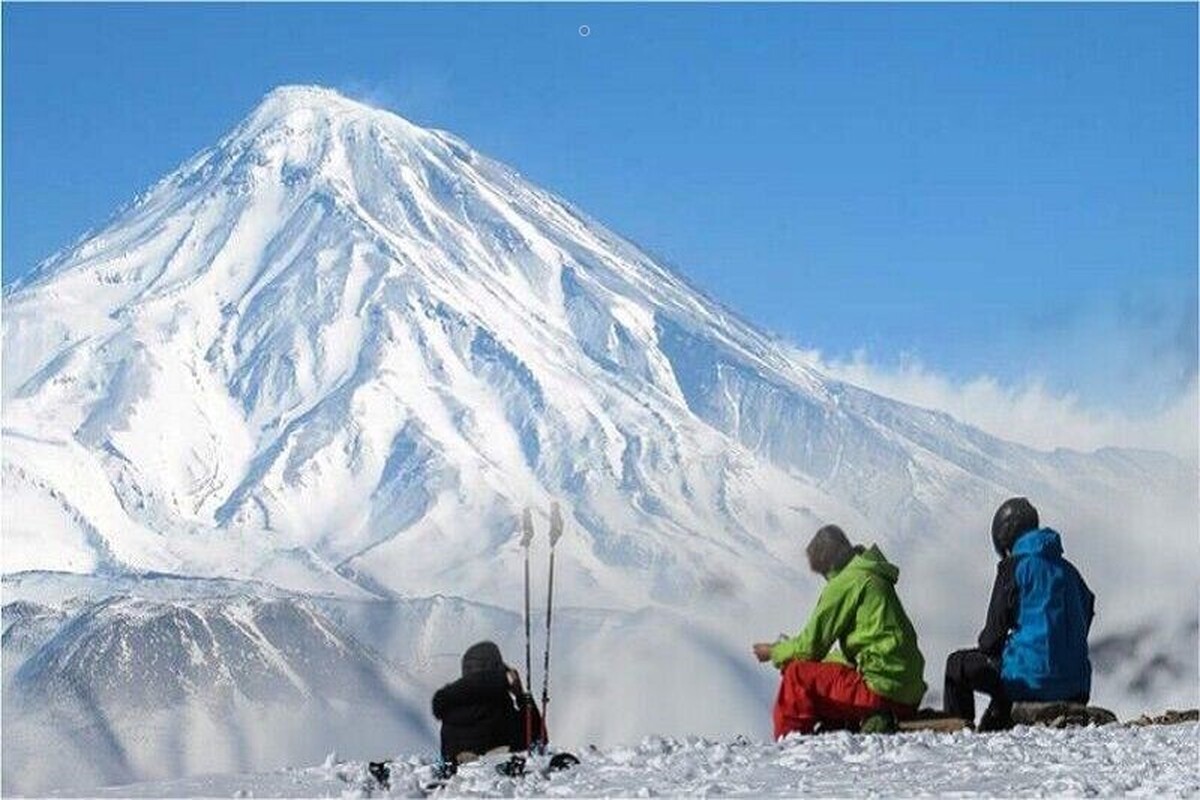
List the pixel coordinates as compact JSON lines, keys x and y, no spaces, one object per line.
{"x":876,"y":677}
{"x":1034,"y":643}
{"x":485,"y":709}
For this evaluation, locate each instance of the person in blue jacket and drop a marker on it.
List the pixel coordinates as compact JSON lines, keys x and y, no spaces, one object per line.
{"x":1033,"y":646}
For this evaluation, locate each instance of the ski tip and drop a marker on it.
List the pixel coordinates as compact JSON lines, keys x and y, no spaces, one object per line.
{"x":556,"y":523}
{"x":527,"y":527}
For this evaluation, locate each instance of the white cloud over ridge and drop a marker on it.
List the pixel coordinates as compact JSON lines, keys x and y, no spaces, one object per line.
{"x":1028,"y":413}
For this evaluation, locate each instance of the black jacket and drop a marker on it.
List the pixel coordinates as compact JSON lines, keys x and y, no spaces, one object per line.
{"x":479,"y":713}
{"x":1002,"y":609}
{"x":1004,"y":606}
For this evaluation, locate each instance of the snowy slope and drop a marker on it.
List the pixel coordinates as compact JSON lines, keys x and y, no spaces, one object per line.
{"x":335,"y":354}
{"x":1027,"y":762}
{"x":127,"y":689}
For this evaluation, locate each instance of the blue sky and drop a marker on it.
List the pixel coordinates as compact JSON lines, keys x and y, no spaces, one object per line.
{"x":1000,"y":190}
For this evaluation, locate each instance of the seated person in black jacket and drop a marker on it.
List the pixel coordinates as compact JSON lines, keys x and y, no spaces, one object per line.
{"x":486,"y":708}
{"x":1034,"y":645}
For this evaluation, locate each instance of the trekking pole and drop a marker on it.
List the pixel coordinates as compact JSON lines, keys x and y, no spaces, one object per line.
{"x":526,"y":538}
{"x":556,"y":530}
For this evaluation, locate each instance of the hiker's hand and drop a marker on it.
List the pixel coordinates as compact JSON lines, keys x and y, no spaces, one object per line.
{"x":762,"y":651}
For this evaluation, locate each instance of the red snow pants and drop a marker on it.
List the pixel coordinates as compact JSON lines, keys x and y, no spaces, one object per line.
{"x":833,"y":694}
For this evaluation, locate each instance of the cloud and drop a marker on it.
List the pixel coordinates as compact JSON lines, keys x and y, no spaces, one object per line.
{"x":1136,"y":348}
{"x":1137,"y":578}
{"x":1027,"y":412}
{"x":418,"y":95}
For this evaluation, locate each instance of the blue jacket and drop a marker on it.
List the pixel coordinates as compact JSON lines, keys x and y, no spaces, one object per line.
{"x":1045,"y":656}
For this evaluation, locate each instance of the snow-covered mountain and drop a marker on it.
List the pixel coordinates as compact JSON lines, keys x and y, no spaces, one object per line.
{"x":336,"y":353}
{"x":166,"y":689}
{"x":128,"y":688}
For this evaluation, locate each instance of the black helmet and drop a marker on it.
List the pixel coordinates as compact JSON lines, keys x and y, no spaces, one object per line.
{"x":1014,"y":517}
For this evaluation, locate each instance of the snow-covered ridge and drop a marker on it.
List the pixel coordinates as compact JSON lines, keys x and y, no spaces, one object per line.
{"x":220,"y":683}
{"x":232,"y":682}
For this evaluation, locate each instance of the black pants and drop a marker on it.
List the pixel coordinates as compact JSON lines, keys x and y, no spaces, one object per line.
{"x":970,"y":671}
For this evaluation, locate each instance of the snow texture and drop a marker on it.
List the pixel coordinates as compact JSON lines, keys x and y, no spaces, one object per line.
{"x":1025,"y":762}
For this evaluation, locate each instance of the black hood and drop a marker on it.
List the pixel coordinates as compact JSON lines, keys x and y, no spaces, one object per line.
{"x":482,"y":657}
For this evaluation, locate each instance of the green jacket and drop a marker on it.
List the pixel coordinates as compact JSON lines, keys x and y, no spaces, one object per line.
{"x":858,"y":610}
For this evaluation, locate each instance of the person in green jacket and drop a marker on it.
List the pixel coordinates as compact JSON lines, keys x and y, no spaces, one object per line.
{"x":875,"y":676}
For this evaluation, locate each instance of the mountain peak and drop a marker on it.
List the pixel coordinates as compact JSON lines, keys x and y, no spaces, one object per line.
{"x":303,"y":107}
{"x":289,"y":97}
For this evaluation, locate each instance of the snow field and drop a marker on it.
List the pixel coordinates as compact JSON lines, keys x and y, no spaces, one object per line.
{"x":1025,"y":762}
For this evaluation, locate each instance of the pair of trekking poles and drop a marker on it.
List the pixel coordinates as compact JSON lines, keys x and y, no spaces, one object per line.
{"x":527,"y":532}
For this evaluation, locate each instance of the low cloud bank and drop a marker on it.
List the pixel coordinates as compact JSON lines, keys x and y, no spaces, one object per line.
{"x":1028,"y":413}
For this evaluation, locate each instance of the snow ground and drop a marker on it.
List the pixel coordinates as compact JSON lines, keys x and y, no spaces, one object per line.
{"x":1035,"y":762}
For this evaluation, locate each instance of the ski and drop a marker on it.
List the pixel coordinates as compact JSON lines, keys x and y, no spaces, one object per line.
{"x":526,"y":539}
{"x":556,"y":531}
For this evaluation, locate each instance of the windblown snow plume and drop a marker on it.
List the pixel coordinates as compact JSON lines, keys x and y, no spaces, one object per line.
{"x":336,"y":354}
